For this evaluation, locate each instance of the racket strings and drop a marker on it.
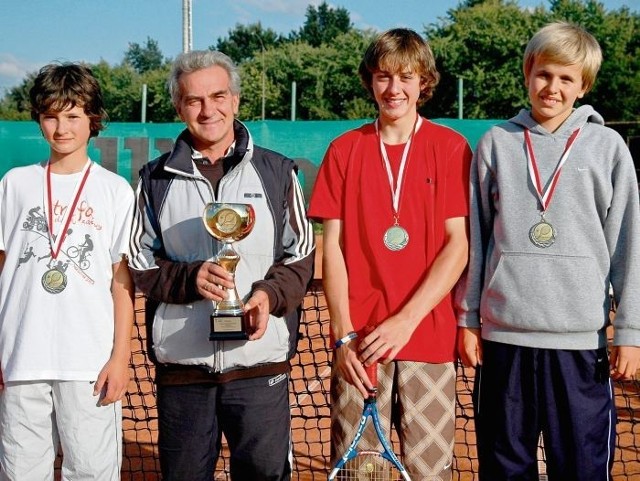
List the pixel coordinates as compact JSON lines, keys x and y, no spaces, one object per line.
{"x":369,"y":466}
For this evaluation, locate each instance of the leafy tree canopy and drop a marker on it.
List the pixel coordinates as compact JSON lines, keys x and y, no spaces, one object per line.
{"x":323,"y":24}
{"x":144,"y":58}
{"x":482,"y":43}
{"x":479,"y":42}
{"x":247,"y":42}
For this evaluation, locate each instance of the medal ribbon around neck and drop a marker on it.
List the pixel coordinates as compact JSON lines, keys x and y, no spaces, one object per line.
{"x":545,"y":195}
{"x":56,"y":242}
{"x":395,"y":192}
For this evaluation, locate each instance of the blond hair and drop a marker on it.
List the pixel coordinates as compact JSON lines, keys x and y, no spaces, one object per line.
{"x":566,"y":44}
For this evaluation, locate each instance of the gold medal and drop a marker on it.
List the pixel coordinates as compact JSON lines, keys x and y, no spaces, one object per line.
{"x":542,"y":234}
{"x":54,"y":281}
{"x":396,"y":238}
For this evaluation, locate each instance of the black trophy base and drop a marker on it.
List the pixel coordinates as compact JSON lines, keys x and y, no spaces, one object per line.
{"x":226,"y":327}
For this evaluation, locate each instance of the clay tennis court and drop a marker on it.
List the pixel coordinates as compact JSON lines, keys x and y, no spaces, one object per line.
{"x":310,"y":409}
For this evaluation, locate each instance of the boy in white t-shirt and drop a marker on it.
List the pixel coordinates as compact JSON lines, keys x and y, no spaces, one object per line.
{"x":66,"y":310}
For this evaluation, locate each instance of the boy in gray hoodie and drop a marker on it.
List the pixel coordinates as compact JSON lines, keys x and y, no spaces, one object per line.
{"x":554,"y":223}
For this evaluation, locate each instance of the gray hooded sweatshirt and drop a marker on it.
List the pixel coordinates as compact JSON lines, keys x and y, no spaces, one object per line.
{"x":554,"y":297}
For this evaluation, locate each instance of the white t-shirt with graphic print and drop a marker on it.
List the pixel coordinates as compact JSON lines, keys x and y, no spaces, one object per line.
{"x":65,"y":335}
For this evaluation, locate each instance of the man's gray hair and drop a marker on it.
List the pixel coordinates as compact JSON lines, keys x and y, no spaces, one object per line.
{"x":194,"y":60}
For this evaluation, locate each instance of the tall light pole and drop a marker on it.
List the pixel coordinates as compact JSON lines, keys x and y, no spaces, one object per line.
{"x":187,"y":38}
{"x":263,"y":76}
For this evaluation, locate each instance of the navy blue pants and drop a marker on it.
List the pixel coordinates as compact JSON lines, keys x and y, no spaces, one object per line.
{"x":567,"y":396}
{"x":254,"y":416}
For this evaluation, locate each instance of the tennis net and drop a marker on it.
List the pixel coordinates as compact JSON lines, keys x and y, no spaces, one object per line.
{"x":309,"y":396}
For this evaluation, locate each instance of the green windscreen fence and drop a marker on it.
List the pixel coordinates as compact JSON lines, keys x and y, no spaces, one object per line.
{"x":125,"y":147}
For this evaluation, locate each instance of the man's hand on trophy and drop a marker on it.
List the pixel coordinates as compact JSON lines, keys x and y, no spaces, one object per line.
{"x":257,"y":312}
{"x":212,"y":281}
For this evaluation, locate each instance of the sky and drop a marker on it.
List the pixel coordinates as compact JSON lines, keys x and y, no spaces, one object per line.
{"x":36,"y":32}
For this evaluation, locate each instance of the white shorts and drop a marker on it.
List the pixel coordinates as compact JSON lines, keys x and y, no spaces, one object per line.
{"x":38,"y":416}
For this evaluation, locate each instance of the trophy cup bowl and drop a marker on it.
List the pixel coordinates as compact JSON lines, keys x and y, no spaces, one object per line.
{"x":228,"y":223}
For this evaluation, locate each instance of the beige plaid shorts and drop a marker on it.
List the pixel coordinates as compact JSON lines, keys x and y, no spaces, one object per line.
{"x":418,"y":399}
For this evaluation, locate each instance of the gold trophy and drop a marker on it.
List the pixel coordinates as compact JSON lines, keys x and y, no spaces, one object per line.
{"x":228,"y":223}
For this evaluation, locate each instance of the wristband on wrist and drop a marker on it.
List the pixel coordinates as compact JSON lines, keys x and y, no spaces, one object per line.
{"x":346,"y":339}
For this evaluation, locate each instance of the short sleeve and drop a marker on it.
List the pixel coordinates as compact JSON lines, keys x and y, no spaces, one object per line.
{"x":327,"y":197}
{"x":122,"y":219}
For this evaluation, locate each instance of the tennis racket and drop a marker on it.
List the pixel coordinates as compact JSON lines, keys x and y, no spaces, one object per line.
{"x":369,"y":465}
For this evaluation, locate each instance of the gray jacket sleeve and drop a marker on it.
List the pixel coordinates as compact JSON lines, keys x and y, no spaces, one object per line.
{"x":157,"y":277}
{"x":481,"y":212}
{"x":622,"y":232}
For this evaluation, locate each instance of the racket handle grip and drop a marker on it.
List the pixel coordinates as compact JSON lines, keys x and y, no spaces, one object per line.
{"x":372,"y":373}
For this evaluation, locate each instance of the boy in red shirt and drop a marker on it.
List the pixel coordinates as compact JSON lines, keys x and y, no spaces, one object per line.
{"x":393,"y":199}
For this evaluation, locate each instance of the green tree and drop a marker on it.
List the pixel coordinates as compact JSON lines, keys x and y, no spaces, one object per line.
{"x":323,"y":24}
{"x":616,"y":94}
{"x":326,"y":79}
{"x":144,"y":58}
{"x":251,"y":73}
{"x":244,"y":41}
{"x":121,"y":91}
{"x":16,"y":105}
{"x":349,"y":99}
{"x":483,"y":45}
{"x":159,"y":105}
{"x":482,"y":42}
{"x":283,"y":65}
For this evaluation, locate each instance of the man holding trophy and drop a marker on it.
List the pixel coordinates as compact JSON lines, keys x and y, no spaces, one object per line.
{"x":223,"y":251}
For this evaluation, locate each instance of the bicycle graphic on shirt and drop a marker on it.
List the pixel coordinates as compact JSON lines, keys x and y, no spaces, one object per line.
{"x":78,"y":254}
{"x":82,"y":252}
{"x":35,"y":220}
